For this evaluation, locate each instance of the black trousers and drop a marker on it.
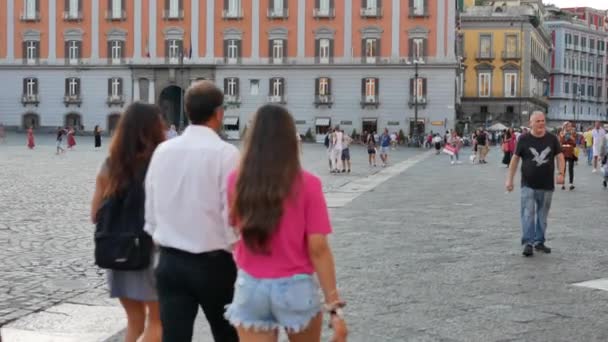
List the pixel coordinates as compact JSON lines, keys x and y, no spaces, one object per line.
{"x":186,"y":281}
{"x":570,"y":170}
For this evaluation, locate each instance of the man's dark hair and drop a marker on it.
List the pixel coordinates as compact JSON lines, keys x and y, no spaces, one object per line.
{"x":202,"y":100}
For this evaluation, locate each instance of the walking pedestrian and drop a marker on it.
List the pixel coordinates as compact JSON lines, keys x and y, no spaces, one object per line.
{"x":437,"y":142}
{"x":567,"y":139}
{"x":71,"y":140}
{"x":336,"y":152}
{"x":455,"y":141}
{"x":482,"y":145}
{"x":588,"y":135}
{"x":97,"y":134}
{"x":281,"y":214}
{"x":186,"y":214}
{"x":139,"y":132}
{"x":599,"y":144}
{"x":60,"y":133}
{"x":538,"y":151}
{"x":346,"y":141}
{"x":30,"y":138}
{"x":385,"y":144}
{"x":508,"y":146}
{"x":371,"y":149}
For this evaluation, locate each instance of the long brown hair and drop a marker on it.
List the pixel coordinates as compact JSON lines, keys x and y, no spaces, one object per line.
{"x":139,"y":130}
{"x":269,"y":168}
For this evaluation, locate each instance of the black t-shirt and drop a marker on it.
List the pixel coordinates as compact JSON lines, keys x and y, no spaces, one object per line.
{"x":481,"y":139}
{"x":538,"y":160}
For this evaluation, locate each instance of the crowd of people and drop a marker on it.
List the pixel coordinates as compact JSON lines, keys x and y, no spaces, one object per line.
{"x":246,"y":240}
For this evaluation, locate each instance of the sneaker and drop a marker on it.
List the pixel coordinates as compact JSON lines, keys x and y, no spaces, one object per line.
{"x":594,"y":171}
{"x":542,"y":248}
{"x":572,"y":187}
{"x":528,"y":251}
{"x":459,"y":162}
{"x":348,"y":171}
{"x":343,"y":170}
{"x":563,"y":187}
{"x":452,"y":162}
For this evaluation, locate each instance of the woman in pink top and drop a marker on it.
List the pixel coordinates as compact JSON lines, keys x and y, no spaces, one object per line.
{"x":280,"y":211}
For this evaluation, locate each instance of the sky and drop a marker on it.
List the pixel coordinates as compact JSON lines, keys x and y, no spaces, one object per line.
{"x":598,"y":4}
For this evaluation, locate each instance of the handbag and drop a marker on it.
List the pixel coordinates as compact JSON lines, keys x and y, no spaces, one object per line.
{"x":449,"y":149}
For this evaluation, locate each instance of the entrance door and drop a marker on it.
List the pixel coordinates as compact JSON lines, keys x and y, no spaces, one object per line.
{"x":171,"y":104}
{"x":73,"y":120}
{"x":231,"y":127}
{"x":322,"y":126}
{"x":413,"y":131}
{"x":31,"y":120}
{"x":113,"y":122}
{"x":369,"y":125}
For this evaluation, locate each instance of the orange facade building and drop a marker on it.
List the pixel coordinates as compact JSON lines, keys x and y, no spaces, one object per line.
{"x":347,"y":62}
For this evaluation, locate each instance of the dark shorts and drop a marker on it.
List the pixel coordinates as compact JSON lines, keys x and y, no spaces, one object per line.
{"x":371,"y":151}
{"x":346,"y":154}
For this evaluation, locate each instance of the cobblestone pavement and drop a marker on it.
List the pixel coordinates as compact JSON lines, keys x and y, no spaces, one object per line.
{"x":45,"y":233}
{"x":430,"y":255}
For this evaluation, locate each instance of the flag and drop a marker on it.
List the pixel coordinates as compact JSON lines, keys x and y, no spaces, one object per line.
{"x":148,"y":48}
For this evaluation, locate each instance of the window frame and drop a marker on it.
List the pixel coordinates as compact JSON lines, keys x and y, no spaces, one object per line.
{"x":480,"y":85}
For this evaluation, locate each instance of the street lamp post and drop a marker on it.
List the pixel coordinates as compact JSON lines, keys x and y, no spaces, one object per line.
{"x":416,"y":138}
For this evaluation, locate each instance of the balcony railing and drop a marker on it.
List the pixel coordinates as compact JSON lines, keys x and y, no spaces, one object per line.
{"x":323,"y":12}
{"x":276,"y":99}
{"x":414,"y":12}
{"x":111,"y":15}
{"x":278,"y":13}
{"x":323,"y":100}
{"x":485,"y":55}
{"x":232,"y":100}
{"x":115,"y":100}
{"x":420,"y":101}
{"x":369,"y":101}
{"x":370,"y":59}
{"x":30,"y":99}
{"x":374,"y":12}
{"x":172,"y":15}
{"x":511,"y":55}
{"x":71,"y":16}
{"x":29,"y":16}
{"x":72,"y":100}
{"x":232,"y":13}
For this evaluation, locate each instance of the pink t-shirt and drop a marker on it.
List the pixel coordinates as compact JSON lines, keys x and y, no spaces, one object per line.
{"x":304,"y":213}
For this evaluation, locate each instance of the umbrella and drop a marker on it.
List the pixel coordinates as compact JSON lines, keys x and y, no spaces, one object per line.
{"x":497,"y":127}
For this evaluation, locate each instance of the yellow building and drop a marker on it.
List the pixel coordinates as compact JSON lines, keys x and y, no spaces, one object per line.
{"x":505,"y":55}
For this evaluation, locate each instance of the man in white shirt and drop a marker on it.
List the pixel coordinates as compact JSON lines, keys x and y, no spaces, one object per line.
{"x":336,"y":153}
{"x":186,"y":214}
{"x":599,"y":141}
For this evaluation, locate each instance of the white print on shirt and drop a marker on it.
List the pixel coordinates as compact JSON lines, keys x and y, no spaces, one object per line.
{"x":542,"y":158}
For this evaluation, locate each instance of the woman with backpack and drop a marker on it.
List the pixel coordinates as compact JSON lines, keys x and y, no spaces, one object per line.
{"x":139,"y":131}
{"x":280,"y":212}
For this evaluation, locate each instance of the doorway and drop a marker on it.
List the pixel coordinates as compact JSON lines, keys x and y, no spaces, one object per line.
{"x":170,"y":102}
{"x":73,"y":120}
{"x":369,"y":125}
{"x":113,"y":122}
{"x":31,"y":120}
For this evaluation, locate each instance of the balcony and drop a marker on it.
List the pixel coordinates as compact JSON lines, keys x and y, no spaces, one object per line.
{"x":324,"y":59}
{"x":370,"y":101}
{"x":115,"y":100}
{"x":173,"y":15}
{"x":420,"y":101}
{"x":370,"y":60}
{"x":324,"y":100}
{"x":232,"y":100}
{"x":30,"y":99}
{"x":511,"y":55}
{"x":236,"y":13}
{"x":71,"y":16}
{"x":323,"y":13}
{"x":485,"y":56}
{"x":116,"y":16}
{"x":375,"y":12}
{"x":72,"y":100}
{"x":278,"y":13}
{"x":276,"y":99}
{"x":277,"y":60}
{"x":417,"y":13}
{"x":232,"y":60}
{"x":29,"y":16}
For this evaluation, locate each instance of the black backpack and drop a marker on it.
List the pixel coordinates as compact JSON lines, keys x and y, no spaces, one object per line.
{"x":327,"y":140}
{"x":120,"y":240}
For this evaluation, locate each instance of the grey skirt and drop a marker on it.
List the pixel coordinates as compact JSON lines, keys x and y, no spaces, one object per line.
{"x":135,"y":285}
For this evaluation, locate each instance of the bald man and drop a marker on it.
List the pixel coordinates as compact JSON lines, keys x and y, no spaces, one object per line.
{"x":537,"y":150}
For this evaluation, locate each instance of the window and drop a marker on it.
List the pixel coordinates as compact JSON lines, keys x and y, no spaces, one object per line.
{"x":174,"y":9}
{"x":276,"y":90}
{"x":418,"y":90}
{"x":583,"y":42}
{"x":278,"y":47}
{"x":323,"y":91}
{"x":72,"y":87}
{"x":254,"y":87}
{"x":511,"y":46}
{"x":575,"y":42}
{"x":30,"y":10}
{"x":590,"y":91}
{"x":72,"y":9}
{"x":418,"y":8}
{"x":232,"y":9}
{"x":369,"y":90}
{"x":371,"y":4}
{"x":232,"y":51}
{"x":231,"y":87}
{"x":324,"y":51}
{"x":72,"y":51}
{"x":418,"y":48}
{"x":115,"y":85}
{"x":599,"y":91}
{"x":371,"y":8}
{"x":568,"y":39}
{"x":592,"y":44}
{"x":484,"y":82}
{"x":582,"y":89}
{"x":277,"y":9}
{"x":575,"y":89}
{"x":324,"y":86}
{"x":31,"y":52}
{"x":566,"y":88}
{"x":174,"y":50}
{"x":30,"y":87}
{"x":371,"y":50}
{"x":510,"y":84}
{"x":485,"y":46}
{"x":116,"y":51}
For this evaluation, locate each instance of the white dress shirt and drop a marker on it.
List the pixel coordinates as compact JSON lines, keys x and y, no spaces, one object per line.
{"x":186,"y":199}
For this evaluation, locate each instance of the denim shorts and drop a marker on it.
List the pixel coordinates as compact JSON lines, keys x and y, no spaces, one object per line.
{"x":277,"y":303}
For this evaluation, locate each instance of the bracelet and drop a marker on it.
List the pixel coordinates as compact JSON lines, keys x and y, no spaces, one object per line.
{"x":335,"y":306}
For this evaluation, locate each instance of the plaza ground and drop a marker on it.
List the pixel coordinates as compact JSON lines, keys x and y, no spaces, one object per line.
{"x":425,"y":251}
